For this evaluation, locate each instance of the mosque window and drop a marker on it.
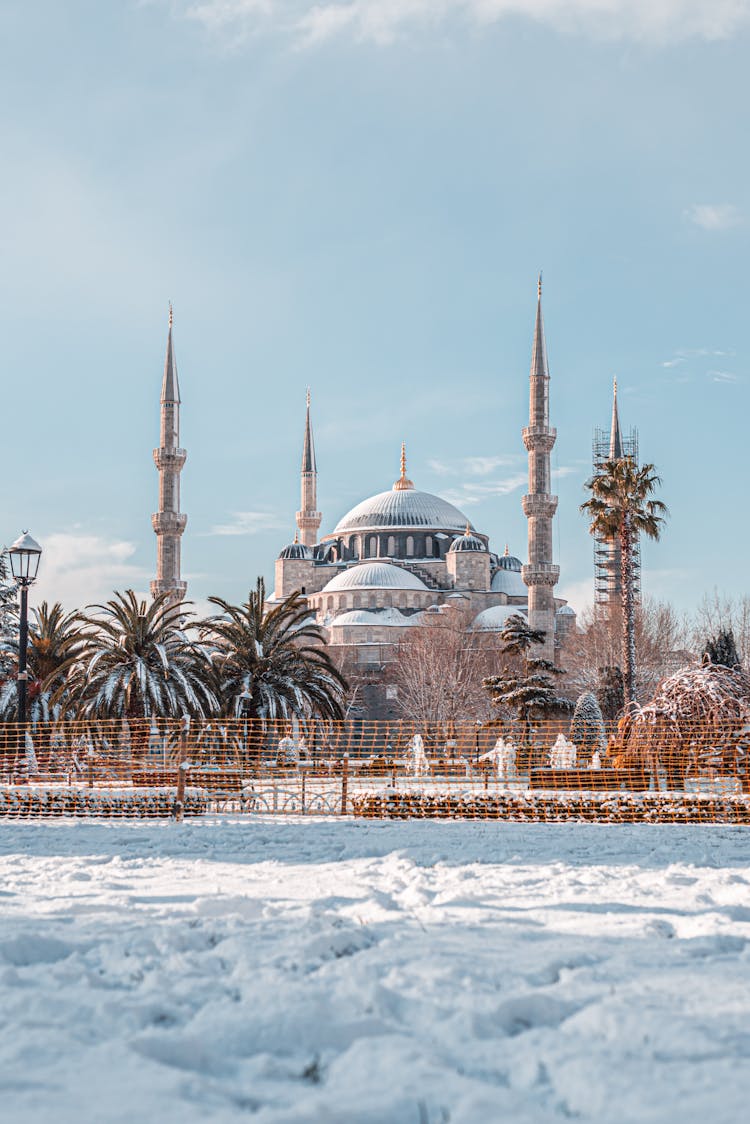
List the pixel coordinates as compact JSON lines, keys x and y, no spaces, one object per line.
{"x":428,"y":546}
{"x":373,"y":547}
{"x":391,"y":547}
{"x":409,"y":546}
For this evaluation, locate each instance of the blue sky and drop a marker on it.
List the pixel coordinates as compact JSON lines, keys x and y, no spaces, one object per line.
{"x":357,"y":197}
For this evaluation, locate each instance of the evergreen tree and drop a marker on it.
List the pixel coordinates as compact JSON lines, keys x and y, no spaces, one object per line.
{"x":587,"y":728}
{"x":8,"y":619}
{"x":611,"y":693}
{"x":721,"y":649}
{"x":526,"y":685}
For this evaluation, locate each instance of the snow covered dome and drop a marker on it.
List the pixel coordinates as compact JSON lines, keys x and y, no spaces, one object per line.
{"x":374,"y":575}
{"x":390,"y":618}
{"x":467,"y":541}
{"x":403,"y":508}
{"x":296,"y":550}
{"x":494,"y":618}
{"x":508,"y":582}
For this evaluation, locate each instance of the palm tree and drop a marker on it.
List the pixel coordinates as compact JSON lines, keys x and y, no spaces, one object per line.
{"x":53,"y":637}
{"x":620,"y":509}
{"x":272,"y":663}
{"x":135,"y":661}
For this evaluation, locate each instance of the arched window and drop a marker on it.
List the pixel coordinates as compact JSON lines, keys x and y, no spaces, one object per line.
{"x":373,"y":600}
{"x":428,"y":546}
{"x":330,"y":603}
{"x":373,"y":547}
{"x":409,"y":547}
{"x":391,"y":547}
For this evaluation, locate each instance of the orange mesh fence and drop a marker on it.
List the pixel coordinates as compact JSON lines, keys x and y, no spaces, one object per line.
{"x":638,"y":772}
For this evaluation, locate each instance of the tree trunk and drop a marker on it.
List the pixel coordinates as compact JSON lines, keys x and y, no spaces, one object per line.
{"x":628,"y":612}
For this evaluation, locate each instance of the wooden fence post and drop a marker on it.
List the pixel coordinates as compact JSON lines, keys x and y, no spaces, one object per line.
{"x":179,"y":804}
{"x":304,"y":778}
{"x":344,"y":783}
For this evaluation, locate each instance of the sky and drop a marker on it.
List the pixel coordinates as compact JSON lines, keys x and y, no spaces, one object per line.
{"x":357,"y":197}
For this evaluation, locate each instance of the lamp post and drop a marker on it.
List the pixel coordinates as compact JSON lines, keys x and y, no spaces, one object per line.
{"x":24,"y":563}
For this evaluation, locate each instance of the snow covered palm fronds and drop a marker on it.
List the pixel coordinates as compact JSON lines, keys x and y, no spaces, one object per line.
{"x":135,"y":660}
{"x":698,"y":715}
{"x":272,"y":662}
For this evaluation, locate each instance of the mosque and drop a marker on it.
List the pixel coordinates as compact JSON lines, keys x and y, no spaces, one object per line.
{"x":401,"y":557}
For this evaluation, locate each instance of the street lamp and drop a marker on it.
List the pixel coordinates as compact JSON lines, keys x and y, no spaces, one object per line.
{"x":24,"y":563}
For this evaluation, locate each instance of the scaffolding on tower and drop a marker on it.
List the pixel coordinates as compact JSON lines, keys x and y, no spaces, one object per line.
{"x":607,"y":574}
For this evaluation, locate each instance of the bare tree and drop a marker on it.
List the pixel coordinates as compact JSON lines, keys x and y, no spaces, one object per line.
{"x":663,"y":639}
{"x":440,"y":667}
{"x":719,"y":612}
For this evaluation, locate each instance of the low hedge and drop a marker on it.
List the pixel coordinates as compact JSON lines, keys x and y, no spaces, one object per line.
{"x":79,"y":800}
{"x":533,"y":807}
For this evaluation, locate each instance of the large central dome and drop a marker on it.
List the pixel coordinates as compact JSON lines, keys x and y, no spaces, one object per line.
{"x":402,"y":507}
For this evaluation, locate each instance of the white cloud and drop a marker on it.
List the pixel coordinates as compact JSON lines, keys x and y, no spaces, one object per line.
{"x":473,"y":466}
{"x":578,"y":594}
{"x":78,"y":569}
{"x":248,"y":523}
{"x":310,"y":22}
{"x":714,"y":216}
{"x":473,"y":491}
{"x":723,"y":376}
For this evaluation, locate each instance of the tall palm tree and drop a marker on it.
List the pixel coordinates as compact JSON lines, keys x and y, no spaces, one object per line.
{"x":135,"y":661}
{"x":620,"y":509}
{"x":272,"y":663}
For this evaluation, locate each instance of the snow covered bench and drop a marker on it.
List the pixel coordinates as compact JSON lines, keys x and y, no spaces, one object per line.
{"x":221,"y":782}
{"x":589,"y":779}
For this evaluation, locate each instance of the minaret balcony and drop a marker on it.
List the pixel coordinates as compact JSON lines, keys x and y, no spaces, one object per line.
{"x":178,"y":589}
{"x":169,"y":522}
{"x":540,"y":505}
{"x":541,"y":573}
{"x":170,"y":460}
{"x":539,"y":438}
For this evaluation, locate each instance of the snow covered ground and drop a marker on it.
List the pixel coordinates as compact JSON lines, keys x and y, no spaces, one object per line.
{"x":285,"y":970}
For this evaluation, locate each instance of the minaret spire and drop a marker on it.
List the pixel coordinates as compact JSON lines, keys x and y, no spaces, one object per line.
{"x":169,"y":522}
{"x":539,"y":505}
{"x":616,"y":452}
{"x":308,"y":517}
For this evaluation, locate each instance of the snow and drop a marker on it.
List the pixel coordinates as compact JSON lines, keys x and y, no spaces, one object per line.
{"x":282,"y":969}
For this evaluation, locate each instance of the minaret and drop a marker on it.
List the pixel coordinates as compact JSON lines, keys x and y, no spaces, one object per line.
{"x":616,"y":452}
{"x":309,"y":518}
{"x":169,"y":522}
{"x":539,"y":506}
{"x":613,"y":445}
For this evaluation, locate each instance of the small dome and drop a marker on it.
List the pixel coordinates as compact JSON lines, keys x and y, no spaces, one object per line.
{"x":467,"y":541}
{"x":374,"y":575}
{"x":296,"y":550}
{"x":388,"y":618}
{"x":565,"y":611}
{"x":494,"y":618}
{"x":509,"y":582}
{"x":508,"y":562}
